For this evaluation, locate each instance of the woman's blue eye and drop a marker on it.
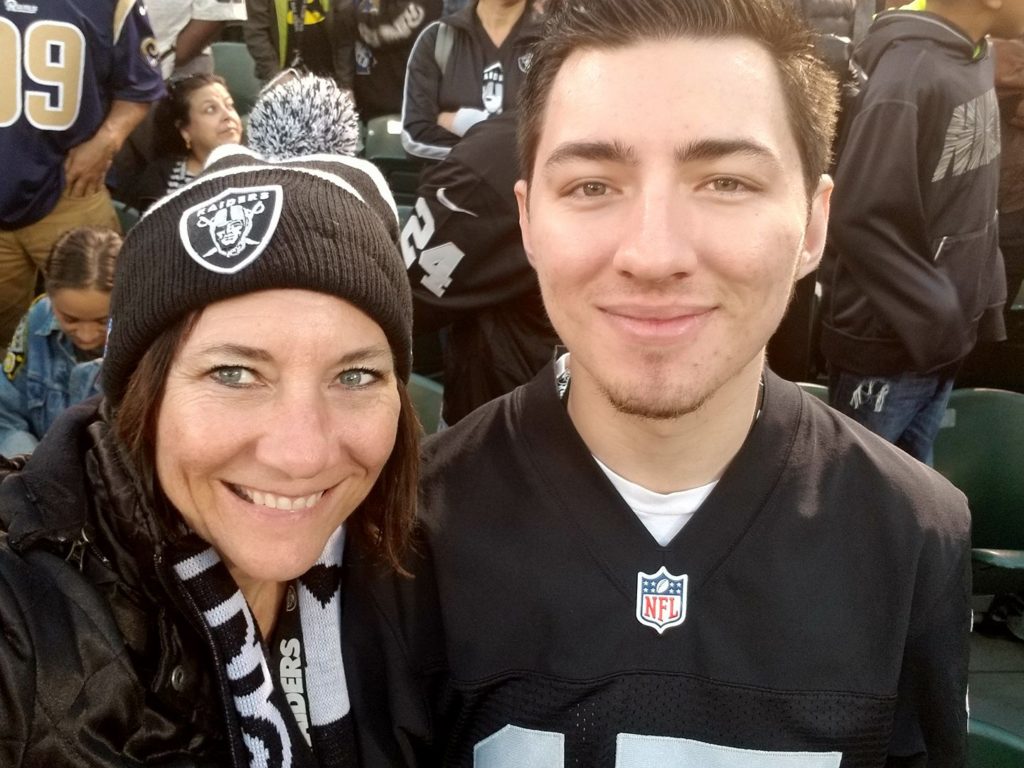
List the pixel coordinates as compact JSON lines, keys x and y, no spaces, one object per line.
{"x":232,"y":376}
{"x":358,"y":377}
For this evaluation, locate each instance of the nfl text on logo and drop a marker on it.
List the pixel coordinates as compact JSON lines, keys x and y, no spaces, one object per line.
{"x":660,"y":599}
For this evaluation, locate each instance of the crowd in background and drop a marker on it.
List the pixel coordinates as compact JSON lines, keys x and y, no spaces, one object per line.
{"x":441,"y":70}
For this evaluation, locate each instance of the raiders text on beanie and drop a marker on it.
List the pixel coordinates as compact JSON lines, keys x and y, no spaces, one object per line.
{"x":320,"y":223}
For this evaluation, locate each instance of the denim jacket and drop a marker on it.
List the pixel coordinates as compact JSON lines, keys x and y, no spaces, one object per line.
{"x":41,"y":378}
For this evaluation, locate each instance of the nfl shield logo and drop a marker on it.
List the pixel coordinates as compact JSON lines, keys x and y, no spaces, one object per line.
{"x":228,"y":232}
{"x":660,"y":599}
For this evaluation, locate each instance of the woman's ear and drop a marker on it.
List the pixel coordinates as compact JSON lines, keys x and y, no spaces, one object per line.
{"x":185,"y":136}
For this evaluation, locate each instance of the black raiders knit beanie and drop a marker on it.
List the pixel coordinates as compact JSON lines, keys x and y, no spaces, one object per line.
{"x":321,"y":223}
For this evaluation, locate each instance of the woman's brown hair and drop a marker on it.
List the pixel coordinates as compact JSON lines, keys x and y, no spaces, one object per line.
{"x":383,"y":522}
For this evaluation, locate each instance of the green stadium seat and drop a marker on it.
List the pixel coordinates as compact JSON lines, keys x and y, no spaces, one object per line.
{"x":384,"y":139}
{"x":426,"y":396}
{"x":989,"y":746}
{"x":980,"y":449}
{"x":127,"y":215}
{"x":383,"y":148}
{"x":820,"y":391}
{"x":233,"y":62}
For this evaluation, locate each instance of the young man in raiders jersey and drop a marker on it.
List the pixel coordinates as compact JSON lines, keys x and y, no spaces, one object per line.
{"x":658,"y":553}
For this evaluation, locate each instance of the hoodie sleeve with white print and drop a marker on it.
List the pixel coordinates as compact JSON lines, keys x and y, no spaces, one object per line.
{"x":914,"y":262}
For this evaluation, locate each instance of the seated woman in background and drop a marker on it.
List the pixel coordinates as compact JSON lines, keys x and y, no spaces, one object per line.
{"x":54,"y":358}
{"x":463,"y":69}
{"x":171,"y":579}
{"x":197,"y":116}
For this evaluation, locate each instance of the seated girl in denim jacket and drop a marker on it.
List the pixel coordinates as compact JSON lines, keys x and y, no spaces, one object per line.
{"x":54,"y":357}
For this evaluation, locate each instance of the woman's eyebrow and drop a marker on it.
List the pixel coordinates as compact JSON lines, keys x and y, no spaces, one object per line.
{"x":365,"y":353}
{"x":258,"y":354}
{"x":237,"y":350}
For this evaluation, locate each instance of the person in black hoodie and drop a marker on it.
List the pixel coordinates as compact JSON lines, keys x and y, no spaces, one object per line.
{"x":465,"y":69}
{"x":372,"y":42}
{"x":913,"y":276}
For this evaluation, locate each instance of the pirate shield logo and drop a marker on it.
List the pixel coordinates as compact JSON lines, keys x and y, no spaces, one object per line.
{"x":228,"y":232}
{"x":660,"y":599}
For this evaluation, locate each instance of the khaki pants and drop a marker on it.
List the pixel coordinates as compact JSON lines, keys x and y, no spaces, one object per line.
{"x":24,"y":251}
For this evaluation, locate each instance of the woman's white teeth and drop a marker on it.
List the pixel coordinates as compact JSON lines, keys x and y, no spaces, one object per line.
{"x":271,"y":501}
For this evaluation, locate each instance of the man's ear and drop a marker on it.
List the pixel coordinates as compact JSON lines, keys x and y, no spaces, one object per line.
{"x":817,"y":228}
{"x":522,"y":190}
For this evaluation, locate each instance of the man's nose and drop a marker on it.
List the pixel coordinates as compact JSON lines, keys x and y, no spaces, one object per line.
{"x":658,"y":241}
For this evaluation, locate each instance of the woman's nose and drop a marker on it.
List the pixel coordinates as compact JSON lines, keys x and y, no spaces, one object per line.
{"x":297,"y":436}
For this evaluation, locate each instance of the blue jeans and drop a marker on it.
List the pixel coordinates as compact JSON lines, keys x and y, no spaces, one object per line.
{"x":905,"y":409}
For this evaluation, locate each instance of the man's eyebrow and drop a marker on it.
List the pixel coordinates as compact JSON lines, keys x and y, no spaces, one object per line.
{"x":601,"y":151}
{"x":694,"y":151}
{"x":711,"y":149}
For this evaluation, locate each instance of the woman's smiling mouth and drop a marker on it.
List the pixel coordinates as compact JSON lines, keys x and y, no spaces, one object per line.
{"x":275,"y":501}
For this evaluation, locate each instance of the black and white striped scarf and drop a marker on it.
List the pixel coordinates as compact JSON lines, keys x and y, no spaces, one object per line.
{"x":179,"y":175}
{"x":261,"y":708}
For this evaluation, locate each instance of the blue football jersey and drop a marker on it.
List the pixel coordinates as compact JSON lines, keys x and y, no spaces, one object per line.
{"x":62,"y":62}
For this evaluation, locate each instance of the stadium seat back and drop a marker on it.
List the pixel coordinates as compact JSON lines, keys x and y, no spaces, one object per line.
{"x":426,"y":395}
{"x":126,"y":215}
{"x":233,"y":62}
{"x":383,"y":148}
{"x":384,"y":139}
{"x":989,"y":746}
{"x":980,"y":449}
{"x":820,"y":391}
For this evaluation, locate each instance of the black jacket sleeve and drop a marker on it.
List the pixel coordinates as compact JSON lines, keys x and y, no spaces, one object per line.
{"x":421,"y":135}
{"x":260,"y":34}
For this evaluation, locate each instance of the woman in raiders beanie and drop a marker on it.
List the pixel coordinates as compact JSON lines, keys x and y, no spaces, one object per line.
{"x":173,"y":572}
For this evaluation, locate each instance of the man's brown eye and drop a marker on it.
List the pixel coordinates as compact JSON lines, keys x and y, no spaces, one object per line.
{"x":594,"y":189}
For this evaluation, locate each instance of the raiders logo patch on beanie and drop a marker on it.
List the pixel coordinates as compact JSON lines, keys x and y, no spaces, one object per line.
{"x":323,"y":223}
{"x":229,"y":231}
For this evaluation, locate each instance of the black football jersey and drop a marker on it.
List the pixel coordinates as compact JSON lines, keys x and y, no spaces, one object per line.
{"x":468,"y":270}
{"x":814,"y":612}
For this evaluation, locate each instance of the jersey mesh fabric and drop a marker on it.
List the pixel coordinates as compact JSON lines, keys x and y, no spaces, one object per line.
{"x":592,"y":712}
